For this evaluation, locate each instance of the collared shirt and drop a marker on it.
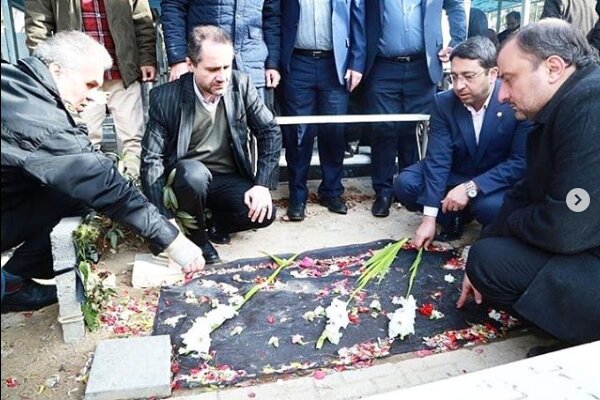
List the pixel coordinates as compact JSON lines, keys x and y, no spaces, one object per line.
{"x":401,"y":28}
{"x":210,"y":106}
{"x":314,"y":25}
{"x":477,"y":117}
{"x":95,"y":24}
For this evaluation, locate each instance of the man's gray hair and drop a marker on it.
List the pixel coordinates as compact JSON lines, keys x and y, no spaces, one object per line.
{"x":72,"y":50}
{"x":554,"y":37}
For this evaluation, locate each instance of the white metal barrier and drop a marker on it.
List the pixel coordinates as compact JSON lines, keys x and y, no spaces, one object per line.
{"x":422,"y":121}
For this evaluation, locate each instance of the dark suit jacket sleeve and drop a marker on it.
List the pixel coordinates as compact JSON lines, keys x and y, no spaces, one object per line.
{"x":552,"y":9}
{"x":457,"y":19}
{"x":507,"y":173}
{"x":358,"y":32}
{"x":152,"y":169}
{"x":268,"y":135}
{"x":438,"y":161}
{"x":550,"y":224}
{"x":272,"y":32}
{"x":174,"y":16}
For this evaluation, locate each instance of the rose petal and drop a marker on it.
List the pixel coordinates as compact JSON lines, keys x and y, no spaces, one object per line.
{"x":319,"y":374}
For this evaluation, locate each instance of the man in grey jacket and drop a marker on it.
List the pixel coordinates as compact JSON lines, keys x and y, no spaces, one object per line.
{"x":199,"y":127}
{"x":49,"y":169}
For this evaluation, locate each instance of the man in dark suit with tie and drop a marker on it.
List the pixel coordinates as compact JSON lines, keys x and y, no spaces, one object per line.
{"x":476,"y":149}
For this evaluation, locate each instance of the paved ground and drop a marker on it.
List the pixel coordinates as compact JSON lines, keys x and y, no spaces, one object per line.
{"x":36,"y":364}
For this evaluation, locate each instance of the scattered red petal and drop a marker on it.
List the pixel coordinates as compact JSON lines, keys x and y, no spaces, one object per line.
{"x":271,"y":319}
{"x":353,"y":319}
{"x":423,"y":353}
{"x":426,"y":309}
{"x":12,"y":383}
{"x":251,"y":395}
{"x":174,"y":367}
{"x":362,"y":309}
{"x":319,"y":374}
{"x":27,"y":314}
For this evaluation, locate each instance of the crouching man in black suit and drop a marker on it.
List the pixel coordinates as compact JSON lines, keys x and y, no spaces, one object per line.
{"x":541,"y":256}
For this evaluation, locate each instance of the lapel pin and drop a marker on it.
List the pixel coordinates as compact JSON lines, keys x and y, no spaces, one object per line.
{"x":499,"y":114}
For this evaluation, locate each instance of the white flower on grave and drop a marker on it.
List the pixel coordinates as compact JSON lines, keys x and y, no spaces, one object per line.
{"x":236,"y":331}
{"x":190,"y":297}
{"x":402,"y":321}
{"x":319,"y":311}
{"x":235,"y":300}
{"x":375,"y":305}
{"x":396,"y":300}
{"x":274,"y":341}
{"x":449,"y":278}
{"x":337,"y":319}
{"x":298,"y":339}
{"x":435,"y":314}
{"x":173,"y":320}
{"x":309,"y":316}
{"x":197,"y":338}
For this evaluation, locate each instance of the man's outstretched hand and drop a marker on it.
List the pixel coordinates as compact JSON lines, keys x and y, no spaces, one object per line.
{"x":467,"y":290}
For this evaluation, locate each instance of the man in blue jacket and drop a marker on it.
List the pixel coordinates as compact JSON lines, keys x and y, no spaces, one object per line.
{"x":476,"y":149}
{"x":404,"y":64}
{"x":254,"y":26}
{"x":323,"y":58}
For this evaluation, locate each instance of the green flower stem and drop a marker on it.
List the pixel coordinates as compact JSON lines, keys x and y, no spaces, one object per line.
{"x":414,"y":268}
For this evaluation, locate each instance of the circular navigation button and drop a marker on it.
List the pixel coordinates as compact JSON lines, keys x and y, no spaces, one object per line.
{"x":578,"y":200}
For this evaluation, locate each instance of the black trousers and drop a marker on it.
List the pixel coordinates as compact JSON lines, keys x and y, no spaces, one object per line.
{"x":502,"y":268}
{"x":30,"y":221}
{"x":197,"y":189}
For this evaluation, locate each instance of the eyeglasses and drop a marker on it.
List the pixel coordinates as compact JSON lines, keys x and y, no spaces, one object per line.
{"x":467,"y":78}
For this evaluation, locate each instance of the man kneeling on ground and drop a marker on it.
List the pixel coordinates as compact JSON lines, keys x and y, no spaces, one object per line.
{"x":49,"y":170}
{"x":476,"y":149}
{"x":199,"y":127}
{"x":541,"y":256}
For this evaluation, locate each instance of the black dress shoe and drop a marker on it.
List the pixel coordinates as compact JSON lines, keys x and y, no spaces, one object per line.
{"x":210,"y":253}
{"x":218,"y":237}
{"x":381,"y":206}
{"x":335,"y":204}
{"x":452,"y":232}
{"x":30,"y":297}
{"x":295,"y":212}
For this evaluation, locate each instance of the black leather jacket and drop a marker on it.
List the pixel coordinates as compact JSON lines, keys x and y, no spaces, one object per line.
{"x":42,"y":145}
{"x":169,"y":131}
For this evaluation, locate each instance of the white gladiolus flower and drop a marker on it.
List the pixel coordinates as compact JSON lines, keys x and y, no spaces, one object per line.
{"x":402,"y":321}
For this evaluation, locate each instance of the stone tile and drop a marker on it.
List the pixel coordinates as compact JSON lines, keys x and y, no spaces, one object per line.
{"x":131,"y":368}
{"x":150,"y":271}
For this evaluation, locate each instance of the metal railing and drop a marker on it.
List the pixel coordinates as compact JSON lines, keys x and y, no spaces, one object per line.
{"x":421,"y":129}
